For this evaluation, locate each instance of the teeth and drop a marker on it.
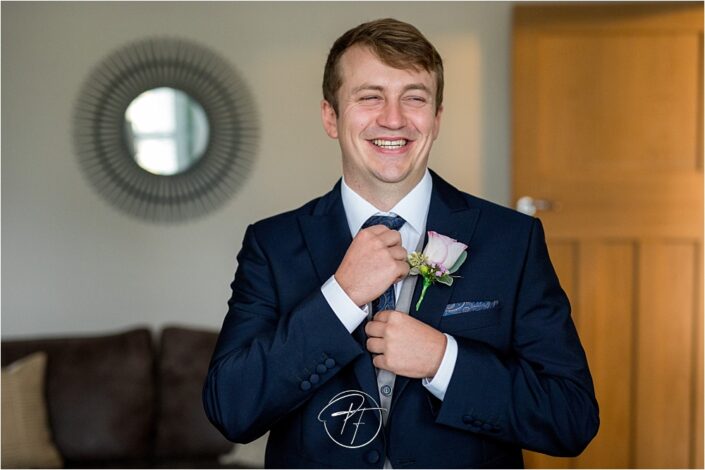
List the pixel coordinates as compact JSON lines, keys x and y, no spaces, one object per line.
{"x":390,"y":144}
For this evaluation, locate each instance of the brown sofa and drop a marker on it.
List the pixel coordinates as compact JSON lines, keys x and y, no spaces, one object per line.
{"x":128,"y":400}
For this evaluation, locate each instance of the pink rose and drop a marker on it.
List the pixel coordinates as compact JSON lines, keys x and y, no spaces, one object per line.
{"x":443,"y":251}
{"x":442,"y":257}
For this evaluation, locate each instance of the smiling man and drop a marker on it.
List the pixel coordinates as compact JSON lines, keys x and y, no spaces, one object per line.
{"x":332,"y":345}
{"x":386,"y":120}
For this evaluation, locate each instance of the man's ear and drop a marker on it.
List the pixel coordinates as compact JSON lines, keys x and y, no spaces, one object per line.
{"x":330,"y":119}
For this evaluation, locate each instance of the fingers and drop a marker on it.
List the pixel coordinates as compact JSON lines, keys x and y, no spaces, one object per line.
{"x":398,"y":253}
{"x":376,"y":229}
{"x":375,"y":327}
{"x":405,"y":345}
{"x":374,"y":260}
{"x":375,"y":345}
{"x":387,"y":236}
{"x":380,"y":362}
{"x":382,"y":317}
{"x":403,"y":269}
{"x":390,"y":237}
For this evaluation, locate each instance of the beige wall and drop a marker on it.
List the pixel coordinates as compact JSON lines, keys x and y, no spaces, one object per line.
{"x":72,"y":263}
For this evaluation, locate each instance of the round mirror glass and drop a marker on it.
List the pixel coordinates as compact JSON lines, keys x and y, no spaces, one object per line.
{"x":166,"y":131}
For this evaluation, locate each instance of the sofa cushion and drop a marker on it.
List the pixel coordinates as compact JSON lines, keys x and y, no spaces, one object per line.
{"x":100,"y":393}
{"x":26,"y":436}
{"x":183,"y":430}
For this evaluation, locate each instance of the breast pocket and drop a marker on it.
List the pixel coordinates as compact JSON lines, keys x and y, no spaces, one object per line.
{"x":470,"y":315}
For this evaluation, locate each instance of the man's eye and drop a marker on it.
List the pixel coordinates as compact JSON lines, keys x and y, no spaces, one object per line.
{"x":370,"y":98}
{"x":416,"y":99}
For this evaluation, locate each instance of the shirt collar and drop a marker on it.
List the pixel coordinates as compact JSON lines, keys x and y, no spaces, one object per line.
{"x":413,"y":207}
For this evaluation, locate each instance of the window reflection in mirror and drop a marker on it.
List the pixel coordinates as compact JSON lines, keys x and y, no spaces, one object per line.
{"x":166,"y":131}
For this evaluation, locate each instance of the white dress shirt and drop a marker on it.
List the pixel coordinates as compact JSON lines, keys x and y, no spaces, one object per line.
{"x":413,"y":208}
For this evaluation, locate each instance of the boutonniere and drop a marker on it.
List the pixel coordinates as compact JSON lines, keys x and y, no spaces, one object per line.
{"x":442,"y":257}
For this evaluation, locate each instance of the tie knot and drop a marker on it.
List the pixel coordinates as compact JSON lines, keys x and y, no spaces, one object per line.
{"x":392,"y":222}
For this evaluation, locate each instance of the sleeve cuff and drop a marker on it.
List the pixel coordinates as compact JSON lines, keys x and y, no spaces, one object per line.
{"x":439,"y":383}
{"x":349,"y":314}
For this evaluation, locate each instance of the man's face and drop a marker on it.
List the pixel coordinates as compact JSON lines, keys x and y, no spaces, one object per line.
{"x":386,"y":121}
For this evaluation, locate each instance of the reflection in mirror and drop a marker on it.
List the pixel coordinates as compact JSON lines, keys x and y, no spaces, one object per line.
{"x":166,"y":131}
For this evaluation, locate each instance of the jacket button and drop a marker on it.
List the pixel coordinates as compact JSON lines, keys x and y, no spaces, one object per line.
{"x":305,"y":385}
{"x":386,"y":390}
{"x":321,"y":368}
{"x":477,"y":423}
{"x":330,"y":363}
{"x":314,"y":378}
{"x":372,"y":456}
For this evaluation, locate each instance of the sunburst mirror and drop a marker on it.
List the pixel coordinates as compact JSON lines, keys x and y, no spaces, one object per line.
{"x":165,"y":129}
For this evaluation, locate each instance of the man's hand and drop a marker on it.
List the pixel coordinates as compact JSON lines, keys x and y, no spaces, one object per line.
{"x":405,"y":345}
{"x":374,"y":261}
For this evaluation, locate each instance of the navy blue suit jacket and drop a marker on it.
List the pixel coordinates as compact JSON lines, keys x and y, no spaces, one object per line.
{"x":521,"y":379}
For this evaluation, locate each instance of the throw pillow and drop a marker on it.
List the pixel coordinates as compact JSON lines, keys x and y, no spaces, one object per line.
{"x":26,"y":437}
{"x":100,"y":392}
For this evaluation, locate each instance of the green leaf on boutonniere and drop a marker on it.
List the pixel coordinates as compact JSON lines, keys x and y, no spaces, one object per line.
{"x":445,"y":279}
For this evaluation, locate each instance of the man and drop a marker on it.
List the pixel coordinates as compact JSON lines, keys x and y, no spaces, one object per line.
{"x":317,"y":346}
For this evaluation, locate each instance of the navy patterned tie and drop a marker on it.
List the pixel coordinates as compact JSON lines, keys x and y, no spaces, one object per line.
{"x":387,"y":300}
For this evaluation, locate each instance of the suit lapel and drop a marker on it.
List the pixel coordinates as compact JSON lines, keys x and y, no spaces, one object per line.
{"x":327,"y":237}
{"x":326,"y":234}
{"x":448,"y":215}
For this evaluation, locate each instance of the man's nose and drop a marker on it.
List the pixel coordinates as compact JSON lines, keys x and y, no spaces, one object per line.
{"x":391,"y":116}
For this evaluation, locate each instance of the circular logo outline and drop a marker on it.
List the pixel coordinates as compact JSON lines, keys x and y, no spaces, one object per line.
{"x":347,"y":394}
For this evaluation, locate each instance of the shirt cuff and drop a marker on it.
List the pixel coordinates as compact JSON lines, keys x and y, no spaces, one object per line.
{"x":349,"y":314}
{"x":438,"y":384}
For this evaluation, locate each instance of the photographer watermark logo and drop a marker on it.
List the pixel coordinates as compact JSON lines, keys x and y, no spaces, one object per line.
{"x":349,"y":419}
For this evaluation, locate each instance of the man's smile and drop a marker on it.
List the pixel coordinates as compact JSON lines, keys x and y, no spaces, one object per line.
{"x":390,"y":144}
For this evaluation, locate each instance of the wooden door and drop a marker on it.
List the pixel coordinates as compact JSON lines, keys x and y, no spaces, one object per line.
{"x":607,"y":127}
